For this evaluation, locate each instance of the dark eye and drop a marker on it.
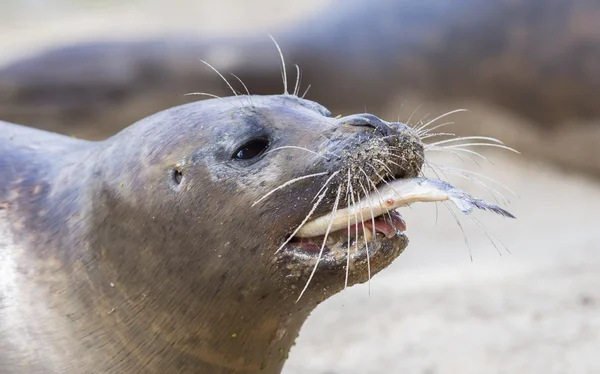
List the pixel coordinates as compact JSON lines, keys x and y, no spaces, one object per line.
{"x":251,"y":149}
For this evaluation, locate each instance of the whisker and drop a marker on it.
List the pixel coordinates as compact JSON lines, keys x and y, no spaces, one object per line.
{"x":335,"y":206}
{"x":300,"y":148}
{"x":421,"y":122}
{"x":412,"y":114}
{"x":245,"y":88}
{"x":348,"y":186}
{"x":325,"y":184}
{"x":306,"y":91}
{"x":209,"y":95}
{"x":381,"y":200}
{"x":373,"y":233}
{"x":392,"y":162}
{"x":384,"y":181}
{"x":291,"y":181}
{"x":312,"y":210}
{"x":298,"y":78}
{"x":496,"y":237}
{"x":465,"y":174}
{"x":461,"y":229}
{"x":452,"y":168}
{"x":387,"y":168}
{"x":459,"y":156}
{"x":441,"y":116}
{"x":426,"y":131}
{"x":496,"y":195}
{"x":461,"y":138}
{"x":455,"y":150}
{"x":283,"y":69}
{"x":482,"y":144}
{"x":354,"y":200}
{"x":435,"y":134}
{"x":222,"y":77}
{"x":482,"y":228}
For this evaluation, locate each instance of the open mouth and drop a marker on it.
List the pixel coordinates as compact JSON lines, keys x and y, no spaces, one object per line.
{"x":373,"y":224}
{"x":386,"y":225}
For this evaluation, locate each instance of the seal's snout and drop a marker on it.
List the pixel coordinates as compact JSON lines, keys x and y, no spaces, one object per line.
{"x":379,"y":150}
{"x":370,"y":123}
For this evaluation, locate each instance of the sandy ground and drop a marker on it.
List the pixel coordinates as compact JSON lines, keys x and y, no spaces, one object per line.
{"x":434,"y":310}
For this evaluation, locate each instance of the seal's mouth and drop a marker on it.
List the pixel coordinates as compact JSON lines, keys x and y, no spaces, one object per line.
{"x":373,"y":226}
{"x":371,"y":229}
{"x":388,"y":225}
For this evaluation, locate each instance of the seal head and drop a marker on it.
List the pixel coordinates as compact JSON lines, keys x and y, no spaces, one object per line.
{"x":175,"y":245}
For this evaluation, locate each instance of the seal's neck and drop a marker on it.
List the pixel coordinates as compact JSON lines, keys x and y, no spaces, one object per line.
{"x":117,"y":297}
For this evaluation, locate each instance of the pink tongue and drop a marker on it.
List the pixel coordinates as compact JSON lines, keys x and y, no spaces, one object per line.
{"x":398,"y":221}
{"x":385,"y":227}
{"x":382,"y":225}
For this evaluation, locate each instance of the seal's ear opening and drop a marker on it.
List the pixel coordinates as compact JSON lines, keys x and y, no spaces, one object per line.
{"x":176,"y":174}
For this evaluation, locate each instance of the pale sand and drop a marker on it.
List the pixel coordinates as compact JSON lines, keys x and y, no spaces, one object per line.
{"x":433,"y":311}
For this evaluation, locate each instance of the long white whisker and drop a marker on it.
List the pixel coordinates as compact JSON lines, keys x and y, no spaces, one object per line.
{"x":494,"y":235}
{"x":306,"y":91}
{"x":355,"y":218}
{"x":312,"y":210}
{"x":224,"y":79}
{"x":452,"y":168}
{"x":427,"y":131}
{"x":298,"y":78}
{"x":460,"y":157}
{"x":436,"y":134}
{"x":461,"y":229}
{"x":287,"y":184}
{"x":325,"y":184}
{"x":440,"y":117}
{"x":349,"y":234}
{"x":481,"y":144}
{"x":412,"y":114}
{"x":461,"y":138}
{"x":387,"y":168}
{"x":495,"y":194}
{"x":373,"y":233}
{"x":381,"y":200}
{"x":482,"y":228}
{"x":209,"y":95}
{"x":335,"y":206}
{"x":283,"y":69}
{"x":455,"y":150}
{"x":398,"y":195}
{"x":300,"y":148}
{"x":245,"y":88}
{"x":392,"y":162}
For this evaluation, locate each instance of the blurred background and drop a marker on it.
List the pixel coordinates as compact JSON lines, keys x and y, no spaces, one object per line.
{"x":496,"y":296}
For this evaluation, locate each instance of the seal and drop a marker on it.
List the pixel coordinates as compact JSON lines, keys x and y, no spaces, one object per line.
{"x":144,"y":252}
{"x":172,"y":246}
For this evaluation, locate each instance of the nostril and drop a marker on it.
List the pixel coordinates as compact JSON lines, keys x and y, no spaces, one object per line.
{"x":369,"y":120}
{"x":399,"y":126}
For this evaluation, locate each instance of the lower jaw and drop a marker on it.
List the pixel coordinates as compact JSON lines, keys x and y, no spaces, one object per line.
{"x":364,"y":260}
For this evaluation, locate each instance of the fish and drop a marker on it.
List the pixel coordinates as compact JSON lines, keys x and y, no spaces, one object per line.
{"x":392,"y":196}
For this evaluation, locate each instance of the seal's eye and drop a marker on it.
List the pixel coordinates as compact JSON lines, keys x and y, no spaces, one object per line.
{"x":252,"y":149}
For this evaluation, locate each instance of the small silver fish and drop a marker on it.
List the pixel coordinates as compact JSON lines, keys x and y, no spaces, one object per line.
{"x":394,"y":195}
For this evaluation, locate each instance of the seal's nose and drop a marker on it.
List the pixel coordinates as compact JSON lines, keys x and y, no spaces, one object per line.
{"x":369,"y":120}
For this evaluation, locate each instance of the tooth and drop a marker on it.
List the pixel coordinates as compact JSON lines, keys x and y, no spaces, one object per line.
{"x":368,"y":234}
